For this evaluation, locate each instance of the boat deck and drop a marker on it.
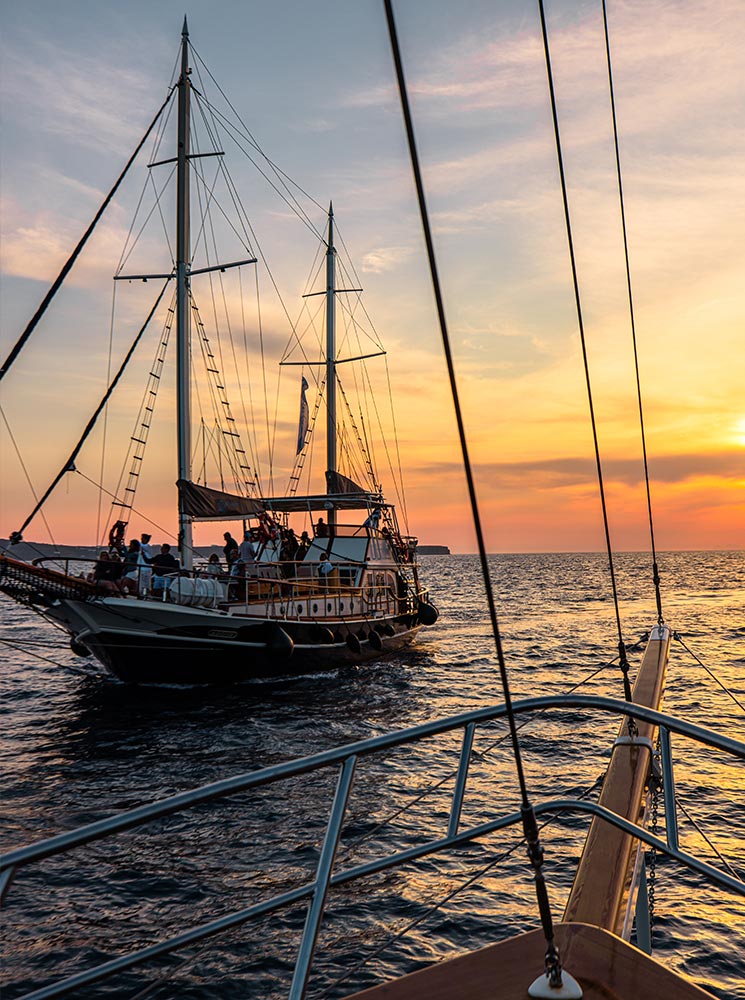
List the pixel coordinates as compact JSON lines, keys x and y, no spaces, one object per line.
{"x":606,"y":967}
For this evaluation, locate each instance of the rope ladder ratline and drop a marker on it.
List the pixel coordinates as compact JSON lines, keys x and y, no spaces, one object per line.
{"x":655,"y":568}
{"x":135,"y":457}
{"x":530,"y":826}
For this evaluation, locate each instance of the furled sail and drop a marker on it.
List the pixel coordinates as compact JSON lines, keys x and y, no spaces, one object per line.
{"x":204,"y":504}
{"x":338,"y":484}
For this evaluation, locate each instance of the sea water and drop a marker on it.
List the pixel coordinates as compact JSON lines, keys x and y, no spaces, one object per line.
{"x":78,"y":746}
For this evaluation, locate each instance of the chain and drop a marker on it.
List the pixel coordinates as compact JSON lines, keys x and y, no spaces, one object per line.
{"x":655,"y":787}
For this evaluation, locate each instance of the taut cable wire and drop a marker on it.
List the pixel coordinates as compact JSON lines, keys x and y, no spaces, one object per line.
{"x":623,"y":661}
{"x":17,"y":348}
{"x":530,"y":825}
{"x":655,"y":570}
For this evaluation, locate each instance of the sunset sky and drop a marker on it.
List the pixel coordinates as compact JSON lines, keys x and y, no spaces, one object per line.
{"x":80,"y":82}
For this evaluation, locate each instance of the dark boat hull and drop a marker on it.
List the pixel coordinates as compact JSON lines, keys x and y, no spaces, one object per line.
{"x":204,"y":648}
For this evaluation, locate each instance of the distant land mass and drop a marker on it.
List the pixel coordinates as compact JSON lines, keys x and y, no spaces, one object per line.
{"x":433,"y":550}
{"x":27,"y":551}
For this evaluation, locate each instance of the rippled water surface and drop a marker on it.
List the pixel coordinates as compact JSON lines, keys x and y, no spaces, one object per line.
{"x":77,"y":746}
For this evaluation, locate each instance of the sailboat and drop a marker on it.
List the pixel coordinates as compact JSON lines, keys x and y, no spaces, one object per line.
{"x":587,"y":954}
{"x":351,"y":592}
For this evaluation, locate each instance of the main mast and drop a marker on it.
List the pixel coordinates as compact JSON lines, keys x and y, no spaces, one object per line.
{"x":183,"y":304}
{"x":331,"y":360}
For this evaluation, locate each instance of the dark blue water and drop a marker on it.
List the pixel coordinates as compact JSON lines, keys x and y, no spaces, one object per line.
{"x":77,"y":747}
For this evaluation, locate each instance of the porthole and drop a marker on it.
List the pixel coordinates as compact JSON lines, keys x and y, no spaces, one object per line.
{"x":315,"y":608}
{"x":299,"y":609}
{"x":342,"y":605}
{"x":329,"y":606}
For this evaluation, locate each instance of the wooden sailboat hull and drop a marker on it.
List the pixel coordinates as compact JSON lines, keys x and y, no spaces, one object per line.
{"x":149,"y":643}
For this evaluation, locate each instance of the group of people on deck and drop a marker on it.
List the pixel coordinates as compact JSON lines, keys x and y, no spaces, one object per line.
{"x":134,"y":568}
{"x":291,"y":549}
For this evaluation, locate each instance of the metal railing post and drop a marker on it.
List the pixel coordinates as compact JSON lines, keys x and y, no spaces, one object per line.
{"x":321,"y":885}
{"x":460,"y":779}
{"x":668,"y":788}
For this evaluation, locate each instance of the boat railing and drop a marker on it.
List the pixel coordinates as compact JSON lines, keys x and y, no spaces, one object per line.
{"x":334,"y":595}
{"x":69,"y":565}
{"x":290,"y":589}
{"x":345,"y":761}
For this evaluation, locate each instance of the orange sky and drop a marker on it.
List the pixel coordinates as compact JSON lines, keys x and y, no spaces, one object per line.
{"x":480,"y":105}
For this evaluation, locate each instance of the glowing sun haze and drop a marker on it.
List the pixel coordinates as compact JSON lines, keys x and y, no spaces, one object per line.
{"x":314,"y":82}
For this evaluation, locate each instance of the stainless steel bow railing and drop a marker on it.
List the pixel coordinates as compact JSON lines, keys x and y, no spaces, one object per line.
{"x":346,"y":759}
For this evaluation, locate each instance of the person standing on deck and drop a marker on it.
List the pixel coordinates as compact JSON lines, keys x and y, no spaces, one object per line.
{"x":230,"y":549}
{"x":144,"y":562}
{"x":246,"y":552}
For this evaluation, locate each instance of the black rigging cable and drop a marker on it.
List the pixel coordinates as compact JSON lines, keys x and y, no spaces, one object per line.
{"x":530,"y":825}
{"x":74,"y":255}
{"x":623,"y":661}
{"x":655,"y":570}
{"x":19,"y":456}
{"x":69,"y":465}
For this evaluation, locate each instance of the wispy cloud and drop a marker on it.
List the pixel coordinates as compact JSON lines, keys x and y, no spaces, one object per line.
{"x":72,"y":96}
{"x":561,"y":473}
{"x":384,"y":259}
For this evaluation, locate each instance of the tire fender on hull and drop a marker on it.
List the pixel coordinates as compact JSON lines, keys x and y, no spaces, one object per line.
{"x":428,"y":613}
{"x":279,"y":643}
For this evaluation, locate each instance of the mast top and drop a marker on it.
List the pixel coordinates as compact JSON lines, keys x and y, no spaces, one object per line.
{"x":331,"y":209}
{"x":185,"y":29}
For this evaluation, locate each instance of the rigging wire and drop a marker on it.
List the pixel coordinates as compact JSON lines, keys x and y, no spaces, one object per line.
{"x":244,"y":475}
{"x":139,"y":513}
{"x":624,"y":664}
{"x":478,"y":754}
{"x":279,"y":173}
{"x":167,"y":235}
{"x":735,"y":699}
{"x":26,"y":474}
{"x":263,"y":378}
{"x":106,"y":413}
{"x":655,"y":568}
{"x":402,"y":492}
{"x":733,"y":871}
{"x":470,"y":881}
{"x":250,"y":424}
{"x":47,"y":659}
{"x":70,"y":463}
{"x":128,"y":250}
{"x":67,"y":267}
{"x":135,"y":455}
{"x":207,"y":237}
{"x":311,"y":324}
{"x":530,"y":825}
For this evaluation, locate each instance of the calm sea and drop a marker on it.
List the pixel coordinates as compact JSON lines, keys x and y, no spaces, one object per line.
{"x":77,"y":746}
